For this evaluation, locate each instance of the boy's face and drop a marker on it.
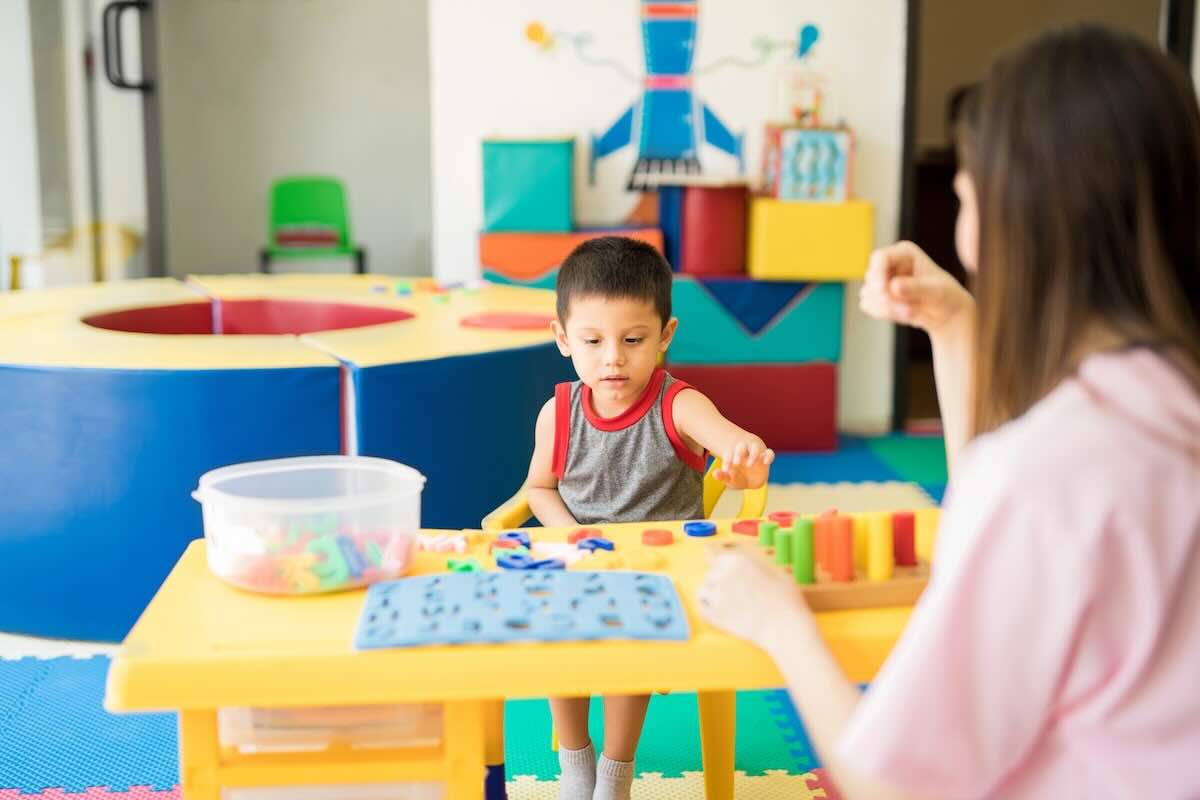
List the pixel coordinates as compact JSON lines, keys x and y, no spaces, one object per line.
{"x":614,"y":343}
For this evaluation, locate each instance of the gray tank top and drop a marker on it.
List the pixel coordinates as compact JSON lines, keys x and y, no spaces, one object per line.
{"x":632,"y":468}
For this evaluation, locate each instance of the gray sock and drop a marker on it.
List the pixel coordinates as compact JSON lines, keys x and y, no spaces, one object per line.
{"x":577,"y":780}
{"x":614,"y":779}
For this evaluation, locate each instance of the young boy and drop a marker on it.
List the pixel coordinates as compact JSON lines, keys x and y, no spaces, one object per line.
{"x":624,"y":443}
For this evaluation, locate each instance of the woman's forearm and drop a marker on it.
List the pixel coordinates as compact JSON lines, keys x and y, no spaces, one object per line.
{"x":826,"y":701}
{"x":954,"y":371}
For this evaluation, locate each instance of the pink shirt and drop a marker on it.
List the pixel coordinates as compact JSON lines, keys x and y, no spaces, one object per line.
{"x":1056,"y":651}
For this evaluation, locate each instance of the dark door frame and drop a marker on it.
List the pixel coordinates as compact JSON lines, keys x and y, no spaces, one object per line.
{"x":900,"y":356}
{"x":1177,"y":33}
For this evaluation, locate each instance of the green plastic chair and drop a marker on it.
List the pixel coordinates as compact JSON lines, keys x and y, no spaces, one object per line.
{"x":309,"y":219}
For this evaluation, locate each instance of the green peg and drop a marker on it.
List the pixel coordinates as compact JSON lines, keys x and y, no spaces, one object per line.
{"x":802,"y":551}
{"x":783,"y":547}
{"x":766,"y":533}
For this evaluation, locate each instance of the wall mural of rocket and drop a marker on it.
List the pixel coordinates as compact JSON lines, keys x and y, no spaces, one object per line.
{"x":668,"y":122}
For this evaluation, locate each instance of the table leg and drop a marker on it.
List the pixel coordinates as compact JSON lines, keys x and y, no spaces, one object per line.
{"x":717,"y":721}
{"x":464,"y":741}
{"x":493,"y":747}
{"x":199,"y":755}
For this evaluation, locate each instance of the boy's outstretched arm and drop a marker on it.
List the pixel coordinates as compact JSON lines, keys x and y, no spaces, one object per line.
{"x":745,"y":458}
{"x":542,"y":485}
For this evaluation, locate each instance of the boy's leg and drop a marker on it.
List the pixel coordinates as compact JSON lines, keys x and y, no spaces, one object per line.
{"x":624,"y":716}
{"x":623,"y":719}
{"x":570,"y":716}
{"x":576,"y":756}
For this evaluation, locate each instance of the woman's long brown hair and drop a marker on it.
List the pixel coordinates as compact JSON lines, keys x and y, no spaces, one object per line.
{"x":1084,"y":146}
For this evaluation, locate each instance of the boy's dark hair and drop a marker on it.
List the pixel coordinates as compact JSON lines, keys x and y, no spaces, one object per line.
{"x":615,"y":266}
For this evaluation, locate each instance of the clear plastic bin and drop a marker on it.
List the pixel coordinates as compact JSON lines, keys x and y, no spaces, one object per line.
{"x":258,"y":730}
{"x":383,"y":791}
{"x":308,"y":525}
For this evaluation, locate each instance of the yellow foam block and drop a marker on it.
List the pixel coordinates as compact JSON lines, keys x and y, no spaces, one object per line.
{"x":795,"y":241}
{"x":90,"y":297}
{"x":61,"y":339}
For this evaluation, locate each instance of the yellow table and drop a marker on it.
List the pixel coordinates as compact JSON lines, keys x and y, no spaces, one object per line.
{"x":202,"y":645}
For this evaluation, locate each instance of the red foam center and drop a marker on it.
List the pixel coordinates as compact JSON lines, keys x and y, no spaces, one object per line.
{"x":247,"y":317}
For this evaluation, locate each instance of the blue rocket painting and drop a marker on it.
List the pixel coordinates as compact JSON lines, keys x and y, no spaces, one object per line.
{"x":669,"y":121}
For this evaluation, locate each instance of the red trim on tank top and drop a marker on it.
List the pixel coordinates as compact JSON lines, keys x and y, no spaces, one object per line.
{"x":687,"y":455}
{"x":562,"y":428}
{"x":630,"y":415}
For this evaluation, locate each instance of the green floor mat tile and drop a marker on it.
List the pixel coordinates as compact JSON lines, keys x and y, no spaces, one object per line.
{"x":670,"y":742}
{"x":919,"y":459}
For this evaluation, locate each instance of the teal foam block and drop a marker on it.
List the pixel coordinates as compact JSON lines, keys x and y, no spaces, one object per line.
{"x":547,"y":281}
{"x":919,"y":459}
{"x":807,"y":329}
{"x":527,"y":185}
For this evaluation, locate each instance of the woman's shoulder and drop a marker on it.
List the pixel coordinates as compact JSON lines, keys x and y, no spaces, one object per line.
{"x":1120,"y":435}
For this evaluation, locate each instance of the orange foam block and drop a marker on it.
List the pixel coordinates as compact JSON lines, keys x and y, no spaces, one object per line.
{"x":533,"y":258}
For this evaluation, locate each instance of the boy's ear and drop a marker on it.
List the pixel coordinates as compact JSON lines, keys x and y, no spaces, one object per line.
{"x":668,"y":334}
{"x":560,"y":338}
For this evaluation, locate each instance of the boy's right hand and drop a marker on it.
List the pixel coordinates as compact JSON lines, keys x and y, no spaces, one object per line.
{"x":903,"y":285}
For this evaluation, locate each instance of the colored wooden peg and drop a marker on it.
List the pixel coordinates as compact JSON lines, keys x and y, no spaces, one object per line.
{"x":903,"y":542}
{"x":766,"y":533}
{"x":927,"y":528}
{"x":821,"y":533}
{"x":841,"y":549}
{"x":880,"y":563}
{"x":802,"y":551}
{"x":861,"y":529}
{"x":783,"y":546}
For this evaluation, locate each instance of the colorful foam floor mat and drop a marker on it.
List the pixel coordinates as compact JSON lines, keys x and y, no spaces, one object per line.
{"x":59,"y":742}
{"x":56,"y":741}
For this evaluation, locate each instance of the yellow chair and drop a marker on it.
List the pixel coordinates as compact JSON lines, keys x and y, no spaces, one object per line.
{"x":515,"y":511}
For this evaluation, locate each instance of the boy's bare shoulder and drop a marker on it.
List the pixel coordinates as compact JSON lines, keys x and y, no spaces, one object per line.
{"x":545,"y":417}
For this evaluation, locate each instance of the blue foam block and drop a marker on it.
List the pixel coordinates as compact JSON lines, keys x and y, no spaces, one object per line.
{"x":97,"y":472}
{"x":465,"y":422}
{"x":753,"y":303}
{"x":466,"y":608}
{"x":56,"y":733}
{"x":853,"y":461}
{"x":670,"y":218}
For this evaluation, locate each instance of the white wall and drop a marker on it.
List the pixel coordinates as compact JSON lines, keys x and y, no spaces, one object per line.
{"x":119,"y":129}
{"x":20,"y":202}
{"x":488,"y":79}
{"x":256,"y":90}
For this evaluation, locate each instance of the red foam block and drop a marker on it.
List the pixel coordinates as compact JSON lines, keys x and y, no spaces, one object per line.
{"x":713,"y":235}
{"x":791,"y":406}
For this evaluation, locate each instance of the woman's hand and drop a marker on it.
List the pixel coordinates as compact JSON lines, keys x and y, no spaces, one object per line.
{"x":749,"y":596}
{"x":903,"y":285}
